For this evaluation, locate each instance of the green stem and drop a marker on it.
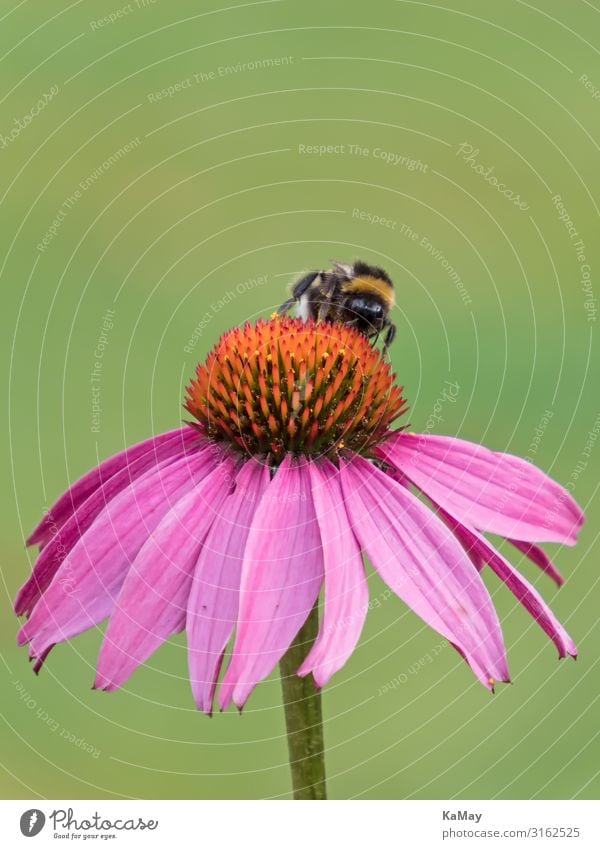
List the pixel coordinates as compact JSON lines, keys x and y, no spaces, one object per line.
{"x":303,"y":716}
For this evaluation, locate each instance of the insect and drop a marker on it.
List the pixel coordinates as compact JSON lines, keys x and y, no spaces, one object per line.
{"x":359,"y":295}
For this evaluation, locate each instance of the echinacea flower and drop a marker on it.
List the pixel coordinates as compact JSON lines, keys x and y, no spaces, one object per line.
{"x":232,"y":525}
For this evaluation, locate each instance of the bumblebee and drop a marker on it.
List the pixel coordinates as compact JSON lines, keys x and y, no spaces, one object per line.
{"x":359,"y":295}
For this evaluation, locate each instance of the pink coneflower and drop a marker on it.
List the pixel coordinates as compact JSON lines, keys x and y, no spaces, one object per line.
{"x":287,"y":474}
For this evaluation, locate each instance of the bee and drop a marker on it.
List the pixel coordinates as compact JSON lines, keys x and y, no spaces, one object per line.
{"x":359,"y":295}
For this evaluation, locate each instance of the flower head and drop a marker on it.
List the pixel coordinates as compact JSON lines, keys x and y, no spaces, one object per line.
{"x":289,"y":473}
{"x":289,"y":387}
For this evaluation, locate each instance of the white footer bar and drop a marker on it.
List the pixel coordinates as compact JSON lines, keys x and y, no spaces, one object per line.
{"x":292,"y":825}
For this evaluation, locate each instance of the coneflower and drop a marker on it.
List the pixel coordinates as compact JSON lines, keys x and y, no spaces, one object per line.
{"x":232,"y":525}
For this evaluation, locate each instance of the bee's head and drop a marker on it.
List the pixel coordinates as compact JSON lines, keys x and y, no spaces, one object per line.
{"x":367,"y":312}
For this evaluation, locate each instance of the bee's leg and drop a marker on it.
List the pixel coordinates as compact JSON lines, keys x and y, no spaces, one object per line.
{"x":298,"y":289}
{"x":286,"y":305}
{"x":326,"y":294}
{"x":390,"y":335}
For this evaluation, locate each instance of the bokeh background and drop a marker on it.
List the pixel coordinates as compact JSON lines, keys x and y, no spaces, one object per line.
{"x":187,"y":163}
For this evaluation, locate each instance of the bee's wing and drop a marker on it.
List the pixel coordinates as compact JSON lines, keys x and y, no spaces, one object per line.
{"x":342,"y":267}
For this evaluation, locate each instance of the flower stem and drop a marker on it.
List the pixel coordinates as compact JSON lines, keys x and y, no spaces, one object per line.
{"x":303,"y":716}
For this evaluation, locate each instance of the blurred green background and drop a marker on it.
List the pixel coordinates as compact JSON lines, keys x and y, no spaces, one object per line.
{"x":171,"y":174}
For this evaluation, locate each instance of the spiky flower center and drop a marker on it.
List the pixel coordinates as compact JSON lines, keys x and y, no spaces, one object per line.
{"x":285,"y":385}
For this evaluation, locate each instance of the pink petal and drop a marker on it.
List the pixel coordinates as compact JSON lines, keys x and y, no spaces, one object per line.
{"x":55,"y":551}
{"x":421,"y":561}
{"x":85,"y":588}
{"x":282,"y":574}
{"x":346,"y":590}
{"x":60,"y":512}
{"x":152,"y":604}
{"x":540,"y":558}
{"x":533,"y":552}
{"x":491,"y":491}
{"x":466,"y":541}
{"x":521,"y":589}
{"x":214,"y":594}
{"x":39,"y":661}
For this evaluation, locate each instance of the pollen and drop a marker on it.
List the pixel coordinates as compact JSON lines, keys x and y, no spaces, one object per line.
{"x":287,"y":386}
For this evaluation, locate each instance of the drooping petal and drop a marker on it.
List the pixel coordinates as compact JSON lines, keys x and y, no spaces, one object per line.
{"x":467,"y":543}
{"x":484,"y":489}
{"x":282,"y":574}
{"x":346,"y":591}
{"x":69,"y":501}
{"x":214,"y":595}
{"x":39,"y":661}
{"x":540,"y":558}
{"x":152,"y":603}
{"x":533,"y":552}
{"x":421,"y":561}
{"x":57,"y":548}
{"x":520,"y":588}
{"x":84,"y":590}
